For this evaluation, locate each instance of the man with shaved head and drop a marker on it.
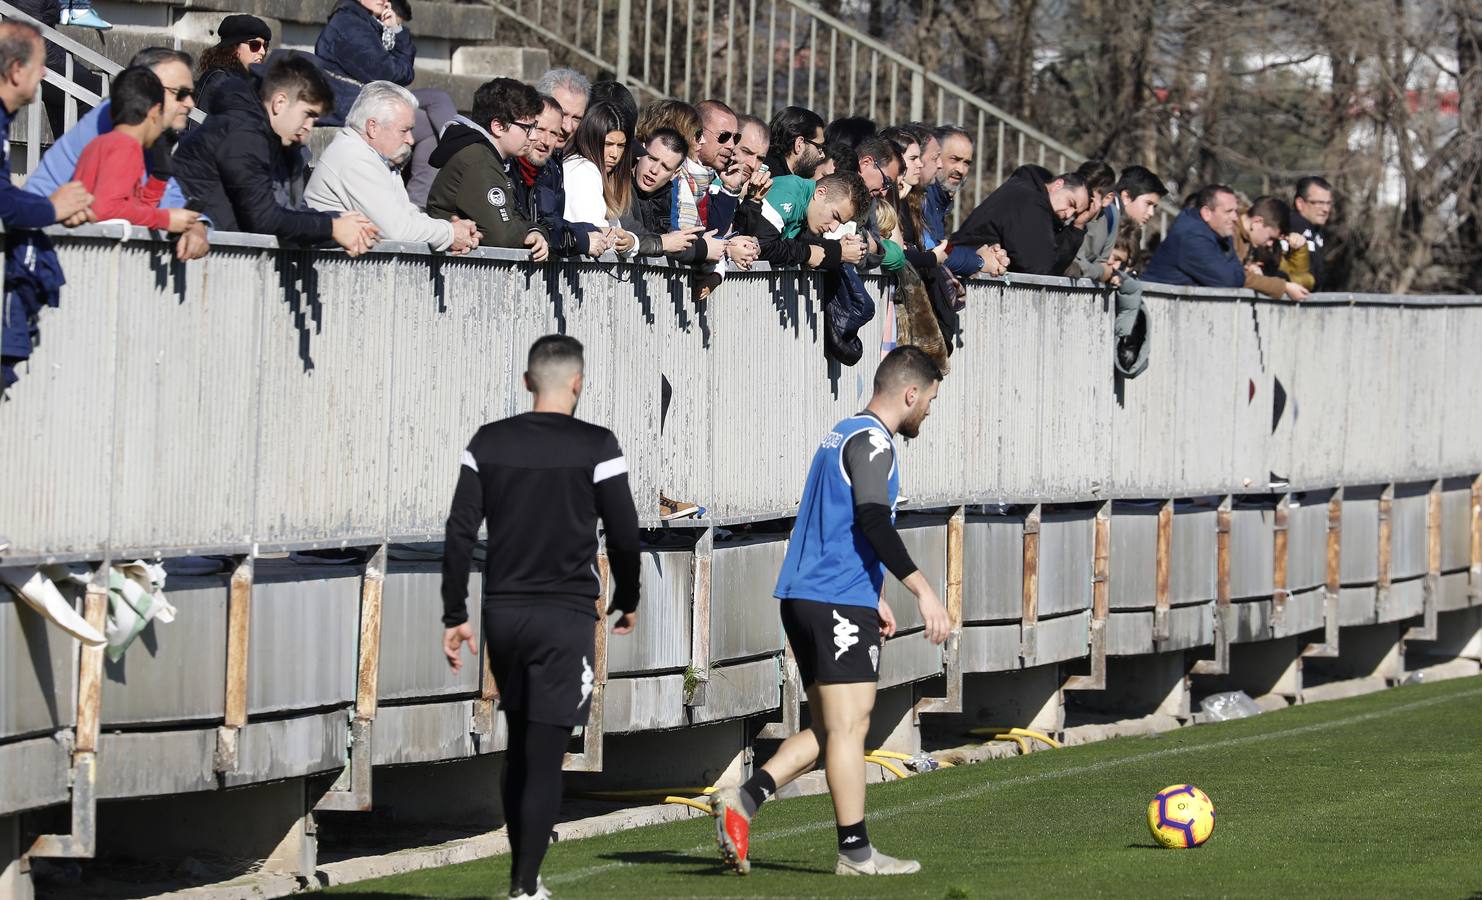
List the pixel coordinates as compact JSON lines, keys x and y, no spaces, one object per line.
{"x":540,"y":481}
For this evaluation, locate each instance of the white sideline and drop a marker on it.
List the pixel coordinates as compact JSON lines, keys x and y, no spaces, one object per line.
{"x":908,"y":806}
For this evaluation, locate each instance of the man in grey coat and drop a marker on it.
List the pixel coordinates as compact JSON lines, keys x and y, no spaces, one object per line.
{"x":359,"y":171}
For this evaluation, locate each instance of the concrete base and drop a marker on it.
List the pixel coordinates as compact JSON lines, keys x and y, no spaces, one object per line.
{"x":1138,"y":686}
{"x":686,"y":758}
{"x":269,"y":822}
{"x":893,"y":724}
{"x":1365,"y":651}
{"x":14,"y":883}
{"x":1261,"y":668}
{"x":1029,"y":698}
{"x":1458,"y":635}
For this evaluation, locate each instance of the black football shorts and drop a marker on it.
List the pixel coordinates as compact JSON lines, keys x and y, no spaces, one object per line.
{"x":543,"y":659}
{"x":833,"y":643}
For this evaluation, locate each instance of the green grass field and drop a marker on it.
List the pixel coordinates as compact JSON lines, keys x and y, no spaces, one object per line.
{"x":1378,"y":796}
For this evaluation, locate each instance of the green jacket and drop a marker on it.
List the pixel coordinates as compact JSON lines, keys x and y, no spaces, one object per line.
{"x":473,"y":183}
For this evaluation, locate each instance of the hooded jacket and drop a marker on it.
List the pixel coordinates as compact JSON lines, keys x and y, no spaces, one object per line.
{"x":352,"y":51}
{"x":475,"y":182}
{"x":1193,"y":255}
{"x":1018,"y":217}
{"x":236,"y":168}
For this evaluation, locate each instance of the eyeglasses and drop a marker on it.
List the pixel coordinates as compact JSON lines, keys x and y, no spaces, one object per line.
{"x":182,"y":94}
{"x":256,"y":45}
{"x":887,"y":184}
{"x":528,"y":126}
{"x":817,"y":145}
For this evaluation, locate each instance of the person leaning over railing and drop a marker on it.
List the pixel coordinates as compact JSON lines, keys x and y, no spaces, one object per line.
{"x":941,"y":194}
{"x":798,"y":212}
{"x":540,"y":182}
{"x":1257,"y":232}
{"x":112,"y":165}
{"x":598,"y":165}
{"x":474,"y":160}
{"x":360,"y":172}
{"x":172,"y":67}
{"x":245,"y":165}
{"x":22,"y":66}
{"x":1199,"y":248}
{"x":1022,"y":219}
{"x":648,"y":219}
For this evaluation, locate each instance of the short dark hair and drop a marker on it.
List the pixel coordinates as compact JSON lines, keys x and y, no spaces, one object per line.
{"x":850,"y":185}
{"x":1272,"y":211}
{"x":878,"y":148}
{"x":505,"y":100}
{"x":743,"y":122}
{"x":1139,"y":180}
{"x":133,"y":93}
{"x":297,"y":78}
{"x":553,"y":351}
{"x":850,"y":129}
{"x":608,"y":91}
{"x":150,"y":57}
{"x":549,"y":102}
{"x":791,"y":123}
{"x":1072,"y":180}
{"x":1097,"y":175}
{"x":1204,"y":199}
{"x":906,"y":366}
{"x":1311,"y":181}
{"x":945,"y":131}
{"x":671,"y":139}
{"x":18,"y":42}
{"x":843,"y":156}
{"x":708,"y":108}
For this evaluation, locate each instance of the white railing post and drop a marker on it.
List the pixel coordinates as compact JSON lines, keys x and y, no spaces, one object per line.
{"x":918,"y":95}
{"x":624,"y":39}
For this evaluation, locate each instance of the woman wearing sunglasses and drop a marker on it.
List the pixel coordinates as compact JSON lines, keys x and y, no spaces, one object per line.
{"x":242,"y":41}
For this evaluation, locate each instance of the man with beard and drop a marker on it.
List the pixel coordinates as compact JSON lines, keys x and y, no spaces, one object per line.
{"x":797,"y":143}
{"x":540,"y":182}
{"x":572,"y":92}
{"x":941,"y":194}
{"x":173,"y":68}
{"x":359,"y":172}
{"x":830,"y":593}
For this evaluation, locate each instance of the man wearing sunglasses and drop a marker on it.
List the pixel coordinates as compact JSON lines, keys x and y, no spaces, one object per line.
{"x":173,"y":68}
{"x":476,"y":158}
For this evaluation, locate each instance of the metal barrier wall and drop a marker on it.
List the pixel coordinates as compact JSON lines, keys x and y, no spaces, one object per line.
{"x":1279,"y":470}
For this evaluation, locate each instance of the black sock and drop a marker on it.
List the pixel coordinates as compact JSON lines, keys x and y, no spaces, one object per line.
{"x":539,"y":798}
{"x":756,"y":790}
{"x":514,"y":787}
{"x":854,"y":842}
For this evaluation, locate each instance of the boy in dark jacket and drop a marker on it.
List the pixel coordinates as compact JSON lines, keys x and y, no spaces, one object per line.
{"x":245,"y":166}
{"x":1025,"y":216}
{"x":476,"y":158}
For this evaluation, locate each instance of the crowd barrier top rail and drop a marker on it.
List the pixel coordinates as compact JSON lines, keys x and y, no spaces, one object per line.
{"x":267,"y":398}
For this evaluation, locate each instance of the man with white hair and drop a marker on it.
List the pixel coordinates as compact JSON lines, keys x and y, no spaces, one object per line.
{"x":572,"y":90}
{"x":360,"y":172}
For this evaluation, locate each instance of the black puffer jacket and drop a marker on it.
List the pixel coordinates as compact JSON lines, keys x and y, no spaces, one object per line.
{"x":1018,"y":217}
{"x":651,"y":217}
{"x":237,"y":168}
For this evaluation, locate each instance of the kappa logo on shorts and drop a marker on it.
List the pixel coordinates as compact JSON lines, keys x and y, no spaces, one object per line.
{"x":495,"y":197}
{"x":875,"y":657}
{"x":845,"y":634}
{"x":587,"y":678}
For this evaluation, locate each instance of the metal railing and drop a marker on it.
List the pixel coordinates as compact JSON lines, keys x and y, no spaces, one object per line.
{"x":761,"y":55}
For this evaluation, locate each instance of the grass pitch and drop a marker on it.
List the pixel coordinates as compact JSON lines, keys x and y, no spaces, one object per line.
{"x":1378,"y":796}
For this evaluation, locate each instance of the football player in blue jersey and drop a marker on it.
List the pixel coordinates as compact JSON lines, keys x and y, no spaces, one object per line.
{"x":843,"y":542}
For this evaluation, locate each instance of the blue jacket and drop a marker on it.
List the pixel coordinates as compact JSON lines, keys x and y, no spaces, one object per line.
{"x":1193,"y":255}
{"x":33,"y":279}
{"x":934,"y":208}
{"x":351,"y":53}
{"x":566,"y":238}
{"x":60,"y":162}
{"x":18,"y":207}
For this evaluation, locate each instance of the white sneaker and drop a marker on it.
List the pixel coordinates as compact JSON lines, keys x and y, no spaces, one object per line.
{"x":877,"y":864}
{"x":541,"y":891}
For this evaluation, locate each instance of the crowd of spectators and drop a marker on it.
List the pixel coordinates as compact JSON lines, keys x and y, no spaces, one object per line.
{"x":568,"y":168}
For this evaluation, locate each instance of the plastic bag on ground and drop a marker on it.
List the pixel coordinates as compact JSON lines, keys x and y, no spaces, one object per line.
{"x":1229,"y":705}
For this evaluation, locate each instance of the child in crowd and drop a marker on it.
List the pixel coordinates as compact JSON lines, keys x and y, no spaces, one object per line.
{"x":112,"y":165}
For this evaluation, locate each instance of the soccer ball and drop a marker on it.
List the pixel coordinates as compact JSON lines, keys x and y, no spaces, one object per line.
{"x":1181,"y":816}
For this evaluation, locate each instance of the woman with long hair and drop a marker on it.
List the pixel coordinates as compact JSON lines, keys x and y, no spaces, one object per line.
{"x":242,"y":41}
{"x":598,"y":171}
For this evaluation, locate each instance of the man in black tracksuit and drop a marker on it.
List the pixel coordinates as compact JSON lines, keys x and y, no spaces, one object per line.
{"x":540,"y":481}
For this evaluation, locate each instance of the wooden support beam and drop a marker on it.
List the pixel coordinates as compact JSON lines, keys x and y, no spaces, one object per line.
{"x":951,"y":656}
{"x":700,"y":620}
{"x":238,"y":644}
{"x":352,"y":791}
{"x":1220,"y":665}
{"x":1163,"y":572}
{"x":1386,"y":535}
{"x":1100,"y":604}
{"x":1279,"y":593}
{"x":1431,"y":587}
{"x":1030,"y":595}
{"x":1333,"y":582}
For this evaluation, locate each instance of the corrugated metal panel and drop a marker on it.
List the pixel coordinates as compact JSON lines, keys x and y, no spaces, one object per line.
{"x":412,"y":663}
{"x":304,"y":638}
{"x":925,"y":538}
{"x":1061,"y":638}
{"x":1134,"y":555}
{"x":989,"y":648}
{"x":174,"y":672}
{"x":32,"y":774}
{"x":323,"y":468}
{"x":1251,"y":549}
{"x":1066,"y":547}
{"x":426,"y":732}
{"x":185,"y":385}
{"x":643,"y":704}
{"x":288,"y":748}
{"x":1192,"y":564}
{"x":1408,"y":537}
{"x":38,"y":664}
{"x":1455,"y":592}
{"x":1456,"y":526}
{"x":59,"y":466}
{"x":1461,"y":436}
{"x":1357,"y":606}
{"x":743,"y":613}
{"x":154,"y":763}
{"x":1189,"y":627}
{"x":1403,"y":600}
{"x":1250,"y":621}
{"x":740,"y":690}
{"x":1359,"y":562}
{"x":993,"y":568}
{"x":1303,"y":612}
{"x":662,"y":638}
{"x":1307,"y":541}
{"x":909,"y":657}
{"x":1129,"y":633}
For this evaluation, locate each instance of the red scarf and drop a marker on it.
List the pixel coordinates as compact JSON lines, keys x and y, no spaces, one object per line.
{"x":528,"y":170}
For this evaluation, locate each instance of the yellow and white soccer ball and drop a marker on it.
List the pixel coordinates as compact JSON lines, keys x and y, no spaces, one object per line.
{"x":1181,"y":816}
